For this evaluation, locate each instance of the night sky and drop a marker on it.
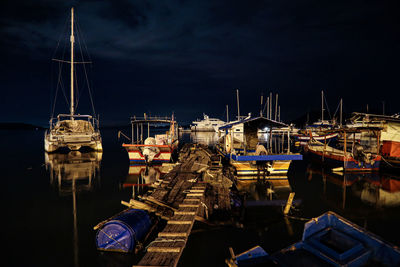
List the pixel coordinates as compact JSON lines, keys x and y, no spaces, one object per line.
{"x":189,"y":57}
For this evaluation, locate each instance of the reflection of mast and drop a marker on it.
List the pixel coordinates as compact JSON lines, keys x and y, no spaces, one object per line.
{"x":76,"y":242}
{"x":75,"y":172}
{"x":344,"y":192}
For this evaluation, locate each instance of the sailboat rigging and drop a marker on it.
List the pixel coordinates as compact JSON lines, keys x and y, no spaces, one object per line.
{"x":72,"y":131}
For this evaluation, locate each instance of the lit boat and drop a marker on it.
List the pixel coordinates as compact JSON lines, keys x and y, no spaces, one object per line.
{"x":360,"y":158}
{"x":73,"y":131}
{"x":253,"y":154}
{"x":206,"y":125}
{"x":389,"y":135}
{"x":156,"y":150}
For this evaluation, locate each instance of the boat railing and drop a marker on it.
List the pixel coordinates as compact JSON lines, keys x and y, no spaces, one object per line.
{"x":89,"y":118}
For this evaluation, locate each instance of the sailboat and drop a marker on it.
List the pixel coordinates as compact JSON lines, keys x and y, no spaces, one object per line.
{"x":318,"y":130}
{"x":72,"y":131}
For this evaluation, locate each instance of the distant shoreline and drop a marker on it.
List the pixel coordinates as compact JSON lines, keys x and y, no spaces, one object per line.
{"x":19,"y":126}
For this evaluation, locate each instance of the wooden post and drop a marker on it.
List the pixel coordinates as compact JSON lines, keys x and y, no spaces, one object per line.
{"x":141,"y":133}
{"x":133,"y":133}
{"x":137,"y":133}
{"x":289,"y":203}
{"x":323,"y":153}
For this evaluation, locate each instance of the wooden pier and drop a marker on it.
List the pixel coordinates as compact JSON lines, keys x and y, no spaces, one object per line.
{"x":194,"y":188}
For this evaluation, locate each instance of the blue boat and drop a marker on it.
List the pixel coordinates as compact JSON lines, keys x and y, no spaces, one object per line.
{"x":328,"y":240}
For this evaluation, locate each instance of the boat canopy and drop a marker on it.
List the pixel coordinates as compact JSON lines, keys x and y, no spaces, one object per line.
{"x":257,"y":122}
{"x":357,"y":116}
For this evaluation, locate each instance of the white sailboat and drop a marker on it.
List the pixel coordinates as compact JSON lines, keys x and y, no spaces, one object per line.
{"x":72,"y":131}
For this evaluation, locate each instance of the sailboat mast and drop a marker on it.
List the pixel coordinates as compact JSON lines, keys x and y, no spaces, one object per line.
{"x":227,"y":113}
{"x":237,"y":97}
{"x":322,"y":105}
{"x":341,"y":111}
{"x":72,"y":40}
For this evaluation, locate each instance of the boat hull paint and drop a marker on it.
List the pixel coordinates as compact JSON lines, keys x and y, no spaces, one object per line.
{"x":305,"y":137}
{"x":247,"y":169}
{"x":349,"y":164}
{"x":136,"y":155}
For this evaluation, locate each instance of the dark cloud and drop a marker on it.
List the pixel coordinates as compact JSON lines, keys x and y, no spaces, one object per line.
{"x":198,"y":52}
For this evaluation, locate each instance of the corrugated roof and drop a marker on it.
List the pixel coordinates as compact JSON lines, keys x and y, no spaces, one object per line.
{"x":261,"y":120}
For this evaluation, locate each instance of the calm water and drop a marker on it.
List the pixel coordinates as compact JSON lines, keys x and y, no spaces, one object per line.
{"x":52,"y":202}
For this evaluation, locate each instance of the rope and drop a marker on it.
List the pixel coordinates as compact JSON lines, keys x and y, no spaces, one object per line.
{"x":114,"y":239}
{"x":388,"y":163}
{"x":297,"y":218}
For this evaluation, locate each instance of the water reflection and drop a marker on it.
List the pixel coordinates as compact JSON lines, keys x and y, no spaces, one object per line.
{"x":204,"y":138}
{"x":373,"y":189}
{"x":141,"y":176}
{"x":72,"y":173}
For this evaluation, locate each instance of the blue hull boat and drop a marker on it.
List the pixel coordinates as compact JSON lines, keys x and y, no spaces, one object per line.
{"x":328,"y":240}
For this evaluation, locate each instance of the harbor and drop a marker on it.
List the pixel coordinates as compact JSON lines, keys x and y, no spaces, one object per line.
{"x":174,"y":134}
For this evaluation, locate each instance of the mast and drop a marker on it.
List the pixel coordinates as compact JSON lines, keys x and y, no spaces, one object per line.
{"x":72,"y":40}
{"x":322,"y":105}
{"x":237,"y":97}
{"x":227,"y":114}
{"x":270,"y":105}
{"x":276,"y":106}
{"x":341,"y":111}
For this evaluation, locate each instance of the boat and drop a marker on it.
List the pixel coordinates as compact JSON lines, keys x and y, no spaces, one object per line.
{"x":318,"y":130}
{"x":360,"y":157}
{"x":207,"y":124}
{"x":389,"y":134}
{"x":72,"y":131}
{"x":154,"y":150}
{"x":254,"y":154}
{"x":327,"y":240}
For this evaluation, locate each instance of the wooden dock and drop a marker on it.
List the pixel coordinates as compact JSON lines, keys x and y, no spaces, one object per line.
{"x":192,"y":190}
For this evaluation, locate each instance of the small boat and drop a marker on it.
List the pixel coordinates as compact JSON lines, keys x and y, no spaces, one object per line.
{"x":207,"y":124}
{"x":327,"y":240}
{"x":157,"y":149}
{"x":72,"y":131}
{"x":360,"y":158}
{"x":304,"y":136}
{"x":254,"y":154}
{"x":318,"y":130}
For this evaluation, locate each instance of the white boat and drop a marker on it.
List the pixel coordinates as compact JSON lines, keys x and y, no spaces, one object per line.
{"x":72,"y":131}
{"x":154,"y":150}
{"x":206,"y":125}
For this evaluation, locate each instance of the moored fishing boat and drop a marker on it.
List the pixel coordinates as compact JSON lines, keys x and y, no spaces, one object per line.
{"x":389,"y":134}
{"x":157,"y":149}
{"x":253,"y":154}
{"x":360,"y":157}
